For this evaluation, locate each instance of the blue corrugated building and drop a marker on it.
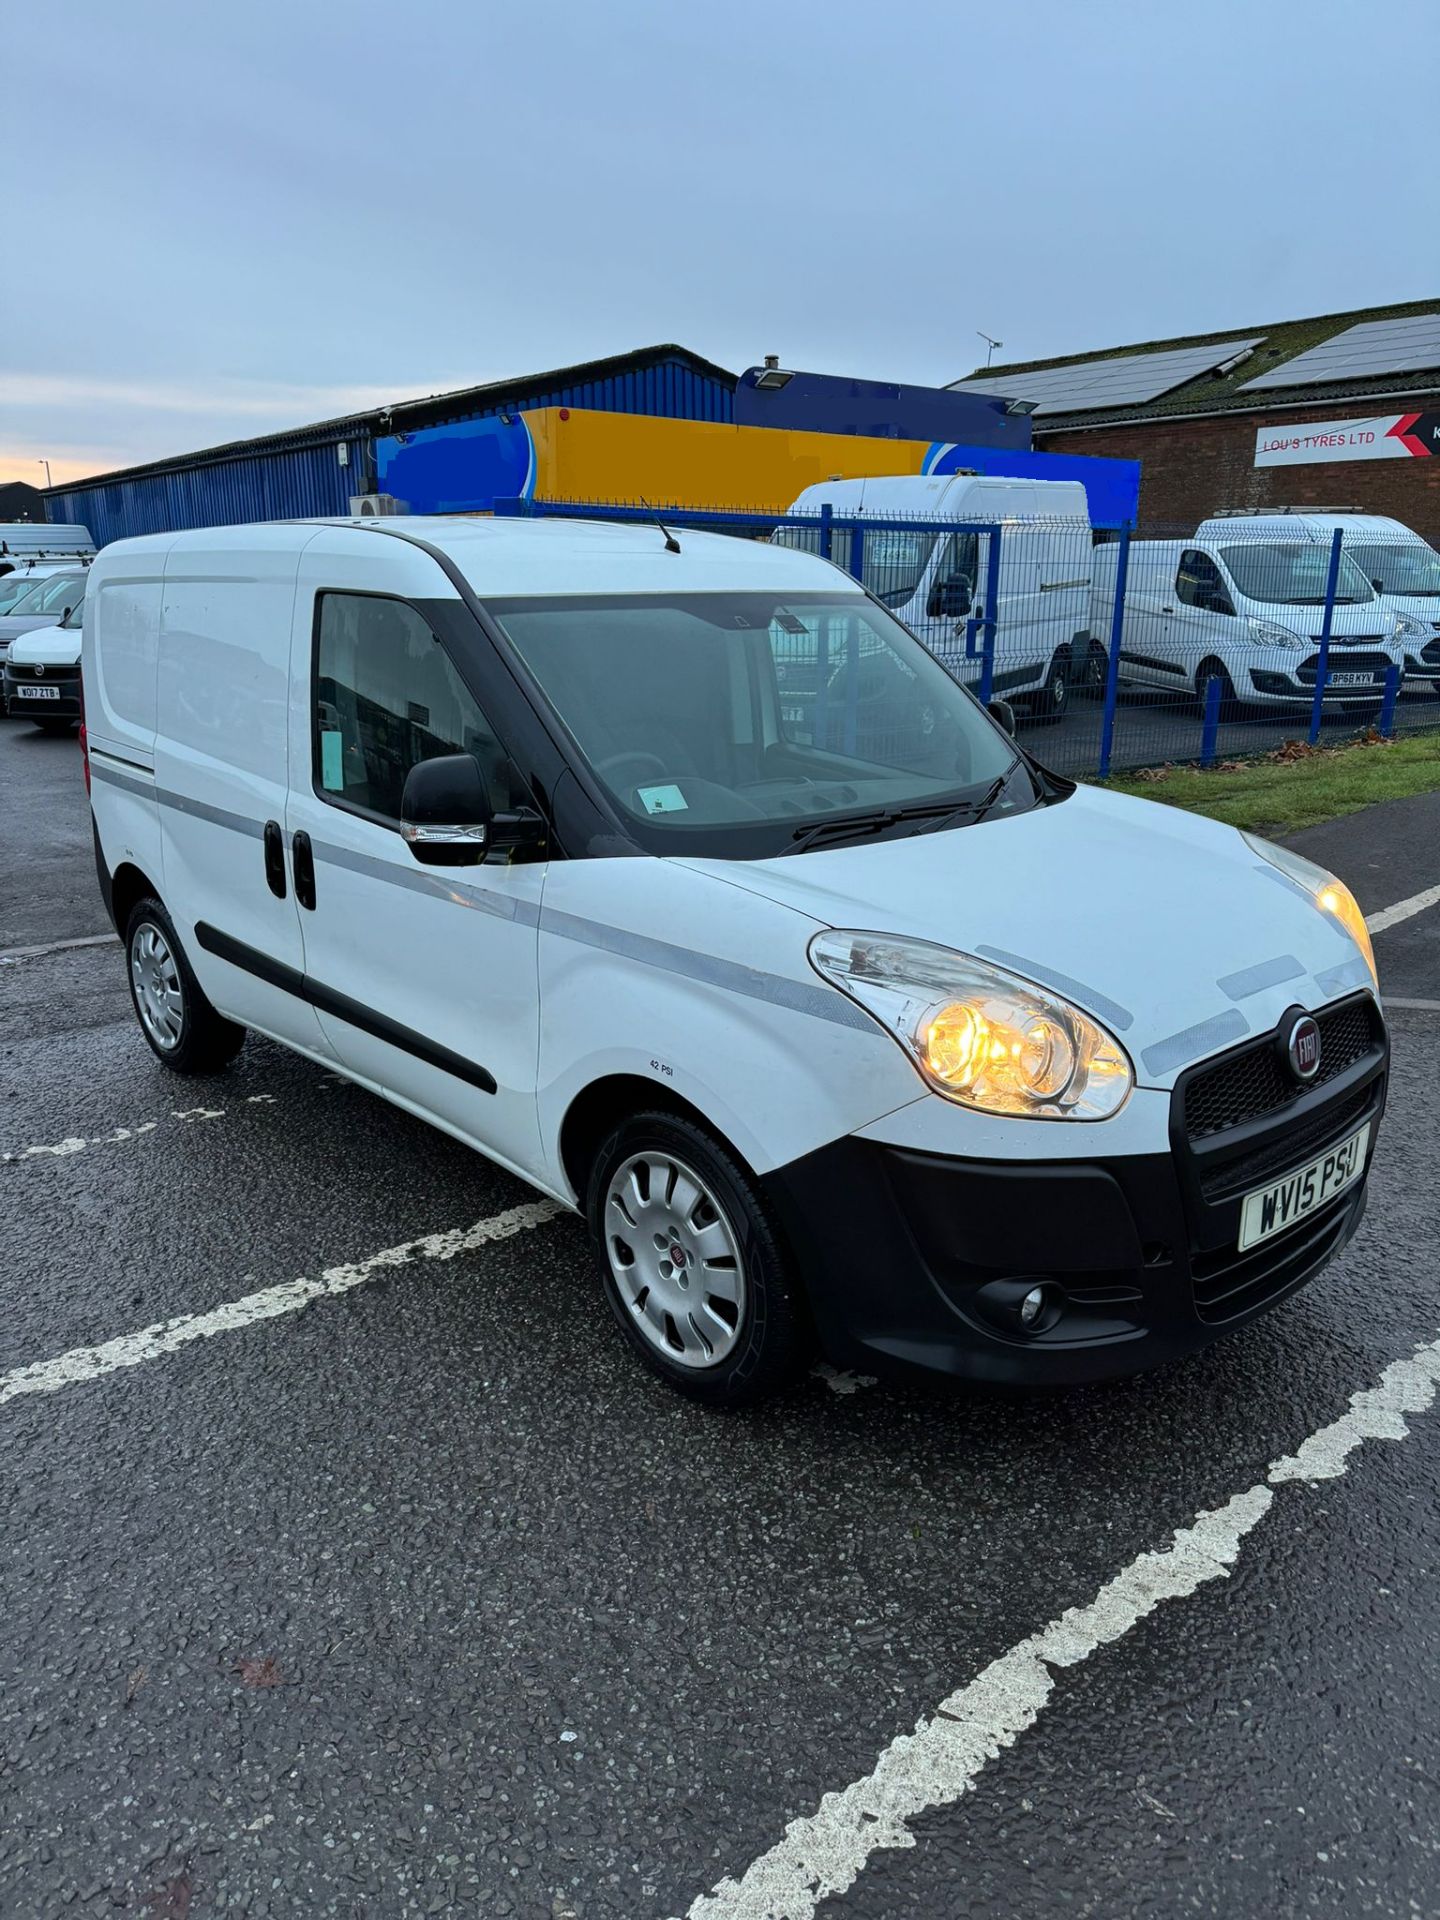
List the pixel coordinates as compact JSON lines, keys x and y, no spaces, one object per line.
{"x":316,"y":470}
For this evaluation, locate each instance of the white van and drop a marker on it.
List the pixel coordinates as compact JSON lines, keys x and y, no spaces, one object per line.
{"x":890,"y":1042}
{"x":40,"y":678}
{"x":936,"y":583}
{"x":1244,"y":605}
{"x":1403,"y":569}
{"x":29,"y":543}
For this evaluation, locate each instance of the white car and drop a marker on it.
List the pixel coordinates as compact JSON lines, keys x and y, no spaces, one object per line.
{"x":47,"y":600}
{"x":1245,"y":607}
{"x":40,"y":680}
{"x":882,"y":1037}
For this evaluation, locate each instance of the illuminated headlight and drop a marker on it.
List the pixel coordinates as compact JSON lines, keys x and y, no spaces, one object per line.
{"x":1328,"y":893}
{"x":1270,"y":633}
{"x":979,"y":1035}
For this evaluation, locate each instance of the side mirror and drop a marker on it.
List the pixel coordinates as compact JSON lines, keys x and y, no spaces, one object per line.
{"x":1003,"y":714}
{"x":445,"y":812}
{"x":950,"y":599}
{"x":1378,"y":585}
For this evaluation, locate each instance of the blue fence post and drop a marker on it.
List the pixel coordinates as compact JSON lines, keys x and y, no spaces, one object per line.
{"x":1214,"y":692}
{"x":1112,"y":664}
{"x":1386,"y":723}
{"x":1322,"y":668}
{"x":827,"y":516}
{"x":992,"y":594}
{"x":857,"y":552}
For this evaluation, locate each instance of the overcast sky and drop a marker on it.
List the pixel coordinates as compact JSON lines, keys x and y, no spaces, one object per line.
{"x":223,"y":219}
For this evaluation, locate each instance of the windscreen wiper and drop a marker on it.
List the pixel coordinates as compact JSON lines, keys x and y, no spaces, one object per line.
{"x":852,"y":825}
{"x":935,"y":814}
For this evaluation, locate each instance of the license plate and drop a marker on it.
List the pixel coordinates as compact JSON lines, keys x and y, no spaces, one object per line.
{"x":1271,"y":1209}
{"x":37,"y":693}
{"x":1351,"y":680}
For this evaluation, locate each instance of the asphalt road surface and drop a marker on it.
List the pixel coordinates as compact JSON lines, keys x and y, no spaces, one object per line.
{"x":423,"y":1600}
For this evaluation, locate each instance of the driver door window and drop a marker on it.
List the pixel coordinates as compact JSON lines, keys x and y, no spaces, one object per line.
{"x":1199,"y":583}
{"x":386,"y":696}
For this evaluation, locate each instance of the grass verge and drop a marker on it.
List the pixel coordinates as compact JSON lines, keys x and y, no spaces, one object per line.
{"x":1296,"y":785}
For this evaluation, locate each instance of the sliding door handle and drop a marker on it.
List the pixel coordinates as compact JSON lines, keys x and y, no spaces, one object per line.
{"x":304,"y":860}
{"x":275,"y":859}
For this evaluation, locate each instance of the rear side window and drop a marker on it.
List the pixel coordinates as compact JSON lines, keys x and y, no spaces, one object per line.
{"x":386,"y":697}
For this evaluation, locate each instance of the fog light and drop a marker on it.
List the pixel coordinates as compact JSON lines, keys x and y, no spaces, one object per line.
{"x":1032,"y":1306}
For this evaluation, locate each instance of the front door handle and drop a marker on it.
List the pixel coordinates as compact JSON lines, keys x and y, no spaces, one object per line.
{"x":302,"y":854}
{"x":275,"y":859}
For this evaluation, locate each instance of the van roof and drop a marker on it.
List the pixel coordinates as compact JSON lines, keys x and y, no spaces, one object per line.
{"x":503,"y":558}
{"x":932,"y":493}
{"x":1301,"y":524}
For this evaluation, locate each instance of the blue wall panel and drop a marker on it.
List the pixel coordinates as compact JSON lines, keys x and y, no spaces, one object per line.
{"x":288,"y":485}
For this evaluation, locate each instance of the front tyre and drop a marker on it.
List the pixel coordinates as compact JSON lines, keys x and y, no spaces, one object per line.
{"x":183,"y":1030}
{"x":693,"y":1263}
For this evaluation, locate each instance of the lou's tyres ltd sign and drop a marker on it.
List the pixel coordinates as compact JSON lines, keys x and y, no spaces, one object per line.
{"x":1386,"y":436}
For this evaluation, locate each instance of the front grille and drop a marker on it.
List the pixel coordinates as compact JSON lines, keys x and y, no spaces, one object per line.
{"x":1350,"y":639}
{"x":1229,"y":1284}
{"x":1378,"y":664}
{"x":61,"y":676}
{"x":1300,"y":1142}
{"x":1430,"y":653}
{"x":1256,"y":1081}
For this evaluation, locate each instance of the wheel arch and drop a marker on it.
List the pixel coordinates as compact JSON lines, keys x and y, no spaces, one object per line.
{"x":600,"y":1107}
{"x":129,"y":885}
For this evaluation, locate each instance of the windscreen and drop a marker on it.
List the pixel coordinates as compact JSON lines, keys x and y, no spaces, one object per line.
{"x":1404,"y":567}
{"x":1294,"y":576}
{"x":742,"y":718}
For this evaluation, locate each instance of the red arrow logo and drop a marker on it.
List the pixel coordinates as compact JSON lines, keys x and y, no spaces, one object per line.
{"x":1413,"y":442}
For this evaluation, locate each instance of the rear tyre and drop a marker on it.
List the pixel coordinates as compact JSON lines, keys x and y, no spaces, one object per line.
{"x":1216,"y":670}
{"x":182,"y":1028}
{"x":1093,"y":670}
{"x":1051,"y":702}
{"x":693,"y":1262}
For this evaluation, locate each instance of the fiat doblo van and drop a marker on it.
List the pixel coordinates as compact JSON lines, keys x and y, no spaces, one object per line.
{"x":866,"y":1034}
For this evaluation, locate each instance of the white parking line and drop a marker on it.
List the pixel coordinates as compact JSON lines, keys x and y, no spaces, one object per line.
{"x":168,"y":1336}
{"x":1402,"y":910}
{"x":825,"y":1852}
{"x":62,"y":1149}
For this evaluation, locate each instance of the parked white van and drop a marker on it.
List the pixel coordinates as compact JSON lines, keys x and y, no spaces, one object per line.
{"x":936,"y":582}
{"x":1403,"y":569}
{"x":887,"y":1040}
{"x":29,"y":543}
{"x":1244,"y":606}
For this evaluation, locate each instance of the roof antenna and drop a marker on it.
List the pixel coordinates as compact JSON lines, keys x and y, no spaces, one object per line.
{"x":672,"y":545}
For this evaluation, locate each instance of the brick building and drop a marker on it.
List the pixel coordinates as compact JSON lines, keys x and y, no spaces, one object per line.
{"x":1340,"y":411}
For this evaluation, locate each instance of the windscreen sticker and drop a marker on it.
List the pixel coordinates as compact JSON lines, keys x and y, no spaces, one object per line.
{"x":332,"y":761}
{"x":662,"y":799}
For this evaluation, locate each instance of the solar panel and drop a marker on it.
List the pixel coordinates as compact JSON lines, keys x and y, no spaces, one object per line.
{"x":1123,"y":380}
{"x":1375,"y":346}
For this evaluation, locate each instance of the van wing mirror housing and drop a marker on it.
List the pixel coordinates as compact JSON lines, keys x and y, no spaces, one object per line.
{"x":445,"y":812}
{"x":1003,"y":714}
{"x":950,"y":599}
{"x":446,"y":818}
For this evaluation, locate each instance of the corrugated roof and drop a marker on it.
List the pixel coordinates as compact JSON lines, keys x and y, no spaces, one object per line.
{"x":405,"y":416}
{"x":1209,"y":393}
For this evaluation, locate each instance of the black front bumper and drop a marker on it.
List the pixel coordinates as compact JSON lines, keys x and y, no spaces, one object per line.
{"x":23,"y":706}
{"x":917,"y":1262}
